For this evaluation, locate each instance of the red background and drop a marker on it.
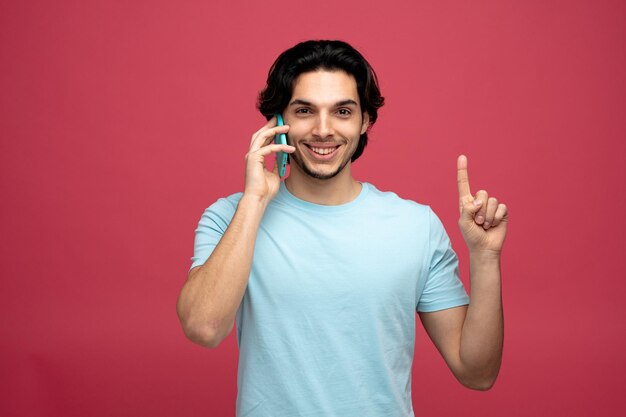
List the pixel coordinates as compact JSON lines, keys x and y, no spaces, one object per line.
{"x":121,"y":122}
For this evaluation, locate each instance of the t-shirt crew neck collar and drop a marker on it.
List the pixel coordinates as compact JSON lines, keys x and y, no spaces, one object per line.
{"x":285,"y":196}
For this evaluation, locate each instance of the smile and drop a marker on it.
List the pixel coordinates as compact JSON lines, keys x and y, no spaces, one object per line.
{"x":322,"y":151}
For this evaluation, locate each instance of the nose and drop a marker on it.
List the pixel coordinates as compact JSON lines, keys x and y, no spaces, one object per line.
{"x":323,"y":126}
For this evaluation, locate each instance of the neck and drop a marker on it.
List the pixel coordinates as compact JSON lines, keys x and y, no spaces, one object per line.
{"x":340,"y":189}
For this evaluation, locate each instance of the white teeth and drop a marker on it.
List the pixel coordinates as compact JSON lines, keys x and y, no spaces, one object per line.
{"x":323,"y":151}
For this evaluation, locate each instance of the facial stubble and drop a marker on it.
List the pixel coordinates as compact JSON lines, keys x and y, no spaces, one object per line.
{"x":317,"y":175}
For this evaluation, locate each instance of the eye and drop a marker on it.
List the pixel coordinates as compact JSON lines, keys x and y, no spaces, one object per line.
{"x":344,"y":112}
{"x":303,"y":110}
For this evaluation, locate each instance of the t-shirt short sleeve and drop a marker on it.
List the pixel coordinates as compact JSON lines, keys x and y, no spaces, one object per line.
{"x":443,"y":289}
{"x":211,"y":228}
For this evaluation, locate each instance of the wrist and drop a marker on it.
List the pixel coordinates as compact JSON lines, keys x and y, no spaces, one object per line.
{"x":252,"y":201}
{"x":485,"y":255}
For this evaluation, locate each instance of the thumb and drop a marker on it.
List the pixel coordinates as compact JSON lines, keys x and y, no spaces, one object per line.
{"x":470,"y":209}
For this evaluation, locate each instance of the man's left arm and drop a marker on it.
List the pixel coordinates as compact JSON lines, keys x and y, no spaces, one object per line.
{"x":470,"y":338}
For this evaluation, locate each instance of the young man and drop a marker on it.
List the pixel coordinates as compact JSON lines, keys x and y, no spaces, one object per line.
{"x":324,"y":274}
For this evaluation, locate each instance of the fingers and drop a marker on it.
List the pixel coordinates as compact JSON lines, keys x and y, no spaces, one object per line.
{"x":462,"y":179}
{"x":481,"y":209}
{"x":481,"y":214}
{"x":273,"y":148}
{"x":270,"y":123}
{"x":501,"y":215}
{"x":484,"y":210}
{"x":265,"y":136}
{"x":492,"y":205}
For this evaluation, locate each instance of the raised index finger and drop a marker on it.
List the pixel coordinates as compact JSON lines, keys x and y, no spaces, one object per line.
{"x":462,"y":178}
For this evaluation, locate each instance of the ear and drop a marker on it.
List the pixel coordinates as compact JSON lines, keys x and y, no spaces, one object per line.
{"x":365,"y":123}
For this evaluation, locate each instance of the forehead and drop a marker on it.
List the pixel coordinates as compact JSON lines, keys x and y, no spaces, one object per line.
{"x":324,"y":87}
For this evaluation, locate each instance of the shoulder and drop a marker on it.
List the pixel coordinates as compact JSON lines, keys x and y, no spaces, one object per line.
{"x":223,"y":209}
{"x":228,"y":203}
{"x":392,"y":202}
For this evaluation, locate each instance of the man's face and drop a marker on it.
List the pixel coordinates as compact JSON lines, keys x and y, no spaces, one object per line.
{"x":326,"y":121}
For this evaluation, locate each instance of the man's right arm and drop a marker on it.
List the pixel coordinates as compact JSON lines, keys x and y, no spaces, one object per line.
{"x":209,"y":300}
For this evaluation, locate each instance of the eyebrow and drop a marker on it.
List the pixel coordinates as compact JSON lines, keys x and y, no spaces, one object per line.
{"x":300,"y":102}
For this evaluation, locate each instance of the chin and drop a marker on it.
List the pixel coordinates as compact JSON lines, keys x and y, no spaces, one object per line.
{"x":320,"y":175}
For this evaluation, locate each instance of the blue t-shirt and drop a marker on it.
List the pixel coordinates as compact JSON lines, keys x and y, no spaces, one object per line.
{"x":326,"y":326}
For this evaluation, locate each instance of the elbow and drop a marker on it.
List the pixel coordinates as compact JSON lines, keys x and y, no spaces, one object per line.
{"x":202,"y":335}
{"x":480,"y":385}
{"x":479,"y":376}
{"x":479,"y":382}
{"x":201,"y":332}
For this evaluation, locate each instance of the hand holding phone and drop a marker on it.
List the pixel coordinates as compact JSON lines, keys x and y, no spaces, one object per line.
{"x":281,"y":139}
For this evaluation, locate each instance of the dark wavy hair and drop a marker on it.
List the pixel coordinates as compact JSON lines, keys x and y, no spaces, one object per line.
{"x":314,"y":55}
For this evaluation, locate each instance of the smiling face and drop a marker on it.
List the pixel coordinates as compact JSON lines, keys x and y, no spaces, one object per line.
{"x":326,"y":121}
